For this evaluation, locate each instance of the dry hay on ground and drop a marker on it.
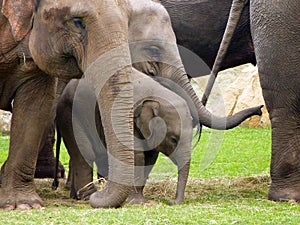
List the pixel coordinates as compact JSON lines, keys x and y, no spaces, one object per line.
{"x":199,"y":190}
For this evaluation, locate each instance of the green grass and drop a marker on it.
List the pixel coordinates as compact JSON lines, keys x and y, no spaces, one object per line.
{"x":228,"y":185}
{"x":237,"y":152}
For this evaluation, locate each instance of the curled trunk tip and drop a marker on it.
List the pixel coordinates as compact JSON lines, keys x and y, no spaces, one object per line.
{"x":112,"y":196}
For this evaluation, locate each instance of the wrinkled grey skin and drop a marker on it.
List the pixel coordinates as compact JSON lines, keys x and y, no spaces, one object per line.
{"x":199,"y":26}
{"x":276,"y":34}
{"x":153,"y":104}
{"x":41,"y":40}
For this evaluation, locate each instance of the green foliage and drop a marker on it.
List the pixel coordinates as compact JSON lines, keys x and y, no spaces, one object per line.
{"x":228,"y":185}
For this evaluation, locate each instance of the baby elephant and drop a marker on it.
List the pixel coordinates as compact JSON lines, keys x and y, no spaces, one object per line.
{"x":162,"y":122}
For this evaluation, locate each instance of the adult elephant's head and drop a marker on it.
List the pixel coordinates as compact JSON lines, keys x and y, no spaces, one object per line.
{"x":154,"y":52}
{"x":72,"y":37}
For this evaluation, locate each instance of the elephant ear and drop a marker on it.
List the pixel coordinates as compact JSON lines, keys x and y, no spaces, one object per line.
{"x":144,"y":112}
{"x":19,"y":14}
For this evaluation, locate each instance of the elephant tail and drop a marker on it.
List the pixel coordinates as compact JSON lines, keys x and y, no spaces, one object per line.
{"x":236,"y":10}
{"x":58,"y":143}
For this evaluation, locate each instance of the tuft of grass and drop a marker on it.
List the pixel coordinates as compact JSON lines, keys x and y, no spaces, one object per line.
{"x":228,"y":185}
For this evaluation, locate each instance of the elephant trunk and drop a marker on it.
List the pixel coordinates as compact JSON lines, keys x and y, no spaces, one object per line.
{"x":205,"y":117}
{"x":120,"y":147}
{"x":111,"y":197}
{"x":109,"y":71}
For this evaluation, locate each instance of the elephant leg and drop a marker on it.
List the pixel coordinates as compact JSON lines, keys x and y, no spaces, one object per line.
{"x":81,"y":171}
{"x":278,"y":67}
{"x":46,"y":161}
{"x":285,"y":160}
{"x":181,"y":184}
{"x":32,"y":116}
{"x":81,"y":178}
{"x":136,"y":195}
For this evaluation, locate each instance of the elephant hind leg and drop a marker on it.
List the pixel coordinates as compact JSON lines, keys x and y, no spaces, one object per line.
{"x":136,"y":196}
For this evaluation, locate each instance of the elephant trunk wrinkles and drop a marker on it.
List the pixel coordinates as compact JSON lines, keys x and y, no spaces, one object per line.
{"x":205,"y":117}
{"x":114,"y":90}
{"x":111,"y":197}
{"x":120,"y":147}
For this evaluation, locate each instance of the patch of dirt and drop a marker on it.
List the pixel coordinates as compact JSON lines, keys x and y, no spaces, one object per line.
{"x":157,"y":191}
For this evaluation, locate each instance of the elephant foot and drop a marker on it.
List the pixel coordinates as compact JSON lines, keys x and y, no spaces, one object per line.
{"x":46,"y":169}
{"x":284,"y":194}
{"x":136,"y":196}
{"x":175,"y":201}
{"x":23,"y":200}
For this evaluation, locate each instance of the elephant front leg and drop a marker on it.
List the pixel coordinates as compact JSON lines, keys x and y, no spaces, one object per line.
{"x":32,"y":115}
{"x":285,"y":161}
{"x":144,"y":162}
{"x":136,"y":196}
{"x":181,"y":184}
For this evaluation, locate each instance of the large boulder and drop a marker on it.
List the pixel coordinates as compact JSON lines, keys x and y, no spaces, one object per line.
{"x":235,"y":89}
{"x":5,"y":118}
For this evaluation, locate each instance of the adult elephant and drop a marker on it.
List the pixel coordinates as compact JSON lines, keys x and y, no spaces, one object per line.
{"x":276,"y":34}
{"x":199,"y":26}
{"x":59,"y":38}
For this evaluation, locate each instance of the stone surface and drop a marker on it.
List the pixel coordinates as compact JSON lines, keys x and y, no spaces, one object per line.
{"x":235,"y":89}
{"x":5,"y":118}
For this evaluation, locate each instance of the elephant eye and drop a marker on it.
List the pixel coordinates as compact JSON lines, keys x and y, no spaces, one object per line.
{"x":154,"y":52}
{"x":174,"y":140}
{"x":79,"y":23}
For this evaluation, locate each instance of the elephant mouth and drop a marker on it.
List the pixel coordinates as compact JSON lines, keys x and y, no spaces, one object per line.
{"x":71,"y":68}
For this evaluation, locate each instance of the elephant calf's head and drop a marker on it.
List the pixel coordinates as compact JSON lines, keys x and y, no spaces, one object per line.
{"x":166,"y":126}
